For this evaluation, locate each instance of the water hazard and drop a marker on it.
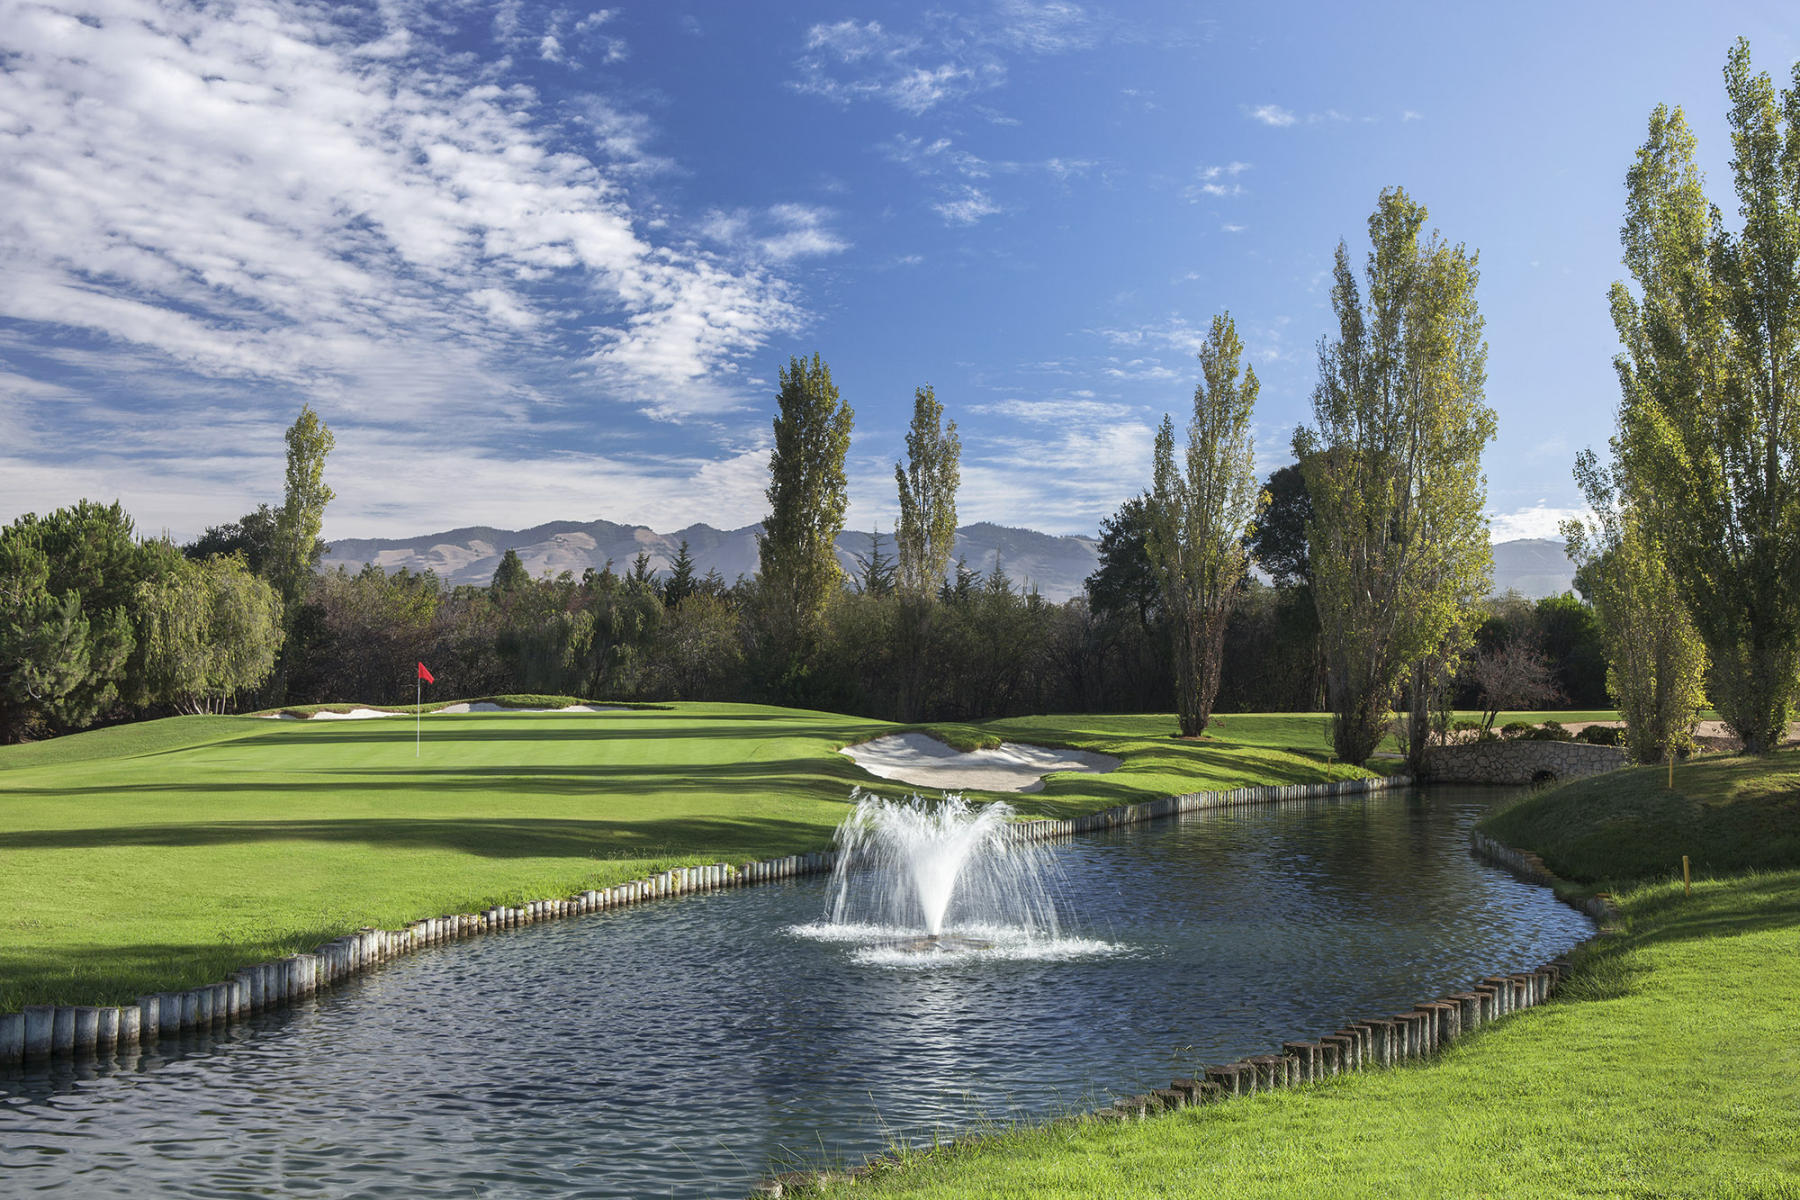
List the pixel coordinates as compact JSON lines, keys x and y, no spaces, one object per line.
{"x":686,"y":1048}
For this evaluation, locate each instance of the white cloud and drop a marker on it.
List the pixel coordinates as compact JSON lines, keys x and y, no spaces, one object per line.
{"x":1216,"y":182}
{"x":966,"y":208}
{"x":1230,"y":228}
{"x":1059,"y":411}
{"x":1538,"y":521}
{"x":1054,"y":27}
{"x":950,"y":58}
{"x":1410,"y":115}
{"x":886,"y":67}
{"x":277,"y":197}
{"x":1273,"y":114}
{"x":780,"y":234}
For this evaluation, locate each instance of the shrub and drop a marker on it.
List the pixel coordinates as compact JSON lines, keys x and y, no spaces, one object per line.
{"x":1551,"y":731}
{"x":1601,"y":735}
{"x":1516,"y":729}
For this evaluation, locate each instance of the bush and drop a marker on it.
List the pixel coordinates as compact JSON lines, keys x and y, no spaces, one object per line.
{"x":1551,"y":731}
{"x":1466,"y":726}
{"x":1516,"y":729}
{"x":1601,"y":735}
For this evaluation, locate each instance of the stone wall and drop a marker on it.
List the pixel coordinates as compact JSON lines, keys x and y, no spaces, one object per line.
{"x":1519,"y":762}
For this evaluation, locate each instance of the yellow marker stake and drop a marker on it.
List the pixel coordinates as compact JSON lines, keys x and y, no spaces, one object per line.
{"x":1671,"y":770}
{"x":1687,"y":885}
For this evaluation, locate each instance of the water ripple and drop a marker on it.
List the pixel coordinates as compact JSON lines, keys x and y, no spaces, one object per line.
{"x":682,"y":1049}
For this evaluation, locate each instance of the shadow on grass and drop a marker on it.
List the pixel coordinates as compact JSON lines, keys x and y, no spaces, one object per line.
{"x":484,"y":837}
{"x":809,"y":778}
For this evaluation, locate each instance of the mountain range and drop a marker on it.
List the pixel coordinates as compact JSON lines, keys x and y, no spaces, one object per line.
{"x":1055,"y":565}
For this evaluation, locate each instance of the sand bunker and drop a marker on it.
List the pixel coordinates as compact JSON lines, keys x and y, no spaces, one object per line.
{"x":926,"y":762}
{"x":479,"y":706}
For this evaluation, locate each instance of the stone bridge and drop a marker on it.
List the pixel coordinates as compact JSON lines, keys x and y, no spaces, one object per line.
{"x":1519,"y":761}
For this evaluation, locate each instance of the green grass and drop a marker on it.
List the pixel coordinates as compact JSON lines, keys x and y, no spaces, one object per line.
{"x":1669,"y":1065}
{"x":1725,"y":813}
{"x":167,"y":854}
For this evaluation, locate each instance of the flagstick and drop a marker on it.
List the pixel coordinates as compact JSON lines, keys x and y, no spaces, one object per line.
{"x":418,"y":712}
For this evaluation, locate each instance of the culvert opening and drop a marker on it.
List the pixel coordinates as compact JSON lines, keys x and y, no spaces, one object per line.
{"x":1543,"y":778}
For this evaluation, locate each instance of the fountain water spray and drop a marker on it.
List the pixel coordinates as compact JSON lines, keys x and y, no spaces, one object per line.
{"x":940,"y":874}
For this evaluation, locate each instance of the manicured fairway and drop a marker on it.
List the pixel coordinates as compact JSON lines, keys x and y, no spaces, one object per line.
{"x":167,"y":854}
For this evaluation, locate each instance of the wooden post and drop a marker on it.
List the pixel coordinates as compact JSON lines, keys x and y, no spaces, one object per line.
{"x":1687,"y":883}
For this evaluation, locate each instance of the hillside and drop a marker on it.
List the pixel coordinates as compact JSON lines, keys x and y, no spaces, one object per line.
{"x":1056,"y":565}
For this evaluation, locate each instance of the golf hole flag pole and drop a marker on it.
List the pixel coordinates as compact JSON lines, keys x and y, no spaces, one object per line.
{"x":419,"y":708}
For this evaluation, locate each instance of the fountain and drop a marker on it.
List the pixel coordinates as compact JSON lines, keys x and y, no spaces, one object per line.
{"x":921,"y":878}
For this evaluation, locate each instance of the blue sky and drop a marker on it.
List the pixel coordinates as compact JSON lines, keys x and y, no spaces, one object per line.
{"x":536,"y":262}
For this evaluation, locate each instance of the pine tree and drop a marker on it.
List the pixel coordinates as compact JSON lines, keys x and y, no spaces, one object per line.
{"x":680,"y":583}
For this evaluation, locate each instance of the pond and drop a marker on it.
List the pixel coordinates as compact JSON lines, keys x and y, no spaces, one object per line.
{"x":686,"y":1048}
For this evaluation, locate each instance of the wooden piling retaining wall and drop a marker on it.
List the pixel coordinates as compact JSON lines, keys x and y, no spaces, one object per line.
{"x":1375,"y":1043}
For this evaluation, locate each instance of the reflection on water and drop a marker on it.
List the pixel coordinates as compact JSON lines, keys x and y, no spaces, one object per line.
{"x":681,"y":1048}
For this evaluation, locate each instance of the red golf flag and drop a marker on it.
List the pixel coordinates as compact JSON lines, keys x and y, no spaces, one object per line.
{"x":425,"y":675}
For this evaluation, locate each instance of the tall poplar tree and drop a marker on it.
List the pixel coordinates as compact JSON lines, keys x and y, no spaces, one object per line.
{"x":1398,"y":542}
{"x":926,"y":532}
{"x":302,"y":514}
{"x":295,"y":548}
{"x":1709,"y":422}
{"x":1655,"y":659}
{"x":807,"y":495}
{"x":1199,"y":518}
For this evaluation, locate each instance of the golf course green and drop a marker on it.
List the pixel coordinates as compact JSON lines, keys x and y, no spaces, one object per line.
{"x":166,"y":854}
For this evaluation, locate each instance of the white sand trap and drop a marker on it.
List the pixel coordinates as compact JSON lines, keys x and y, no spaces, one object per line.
{"x":926,"y":762}
{"x":488,"y":706}
{"x":355,"y":714}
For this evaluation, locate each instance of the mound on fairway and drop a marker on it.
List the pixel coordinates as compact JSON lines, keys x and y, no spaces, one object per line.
{"x":167,"y":854}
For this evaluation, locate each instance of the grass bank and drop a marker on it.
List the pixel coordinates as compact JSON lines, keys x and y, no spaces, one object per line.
{"x":163,"y":855}
{"x":1669,"y":1066}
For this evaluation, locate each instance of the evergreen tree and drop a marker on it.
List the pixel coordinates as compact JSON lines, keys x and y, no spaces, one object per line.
{"x":1278,"y":534}
{"x":1126,"y":581}
{"x":1199,"y":517}
{"x":875,"y":571}
{"x":1709,"y":423}
{"x":509,"y":576}
{"x":680,"y":583}
{"x":1398,"y":543}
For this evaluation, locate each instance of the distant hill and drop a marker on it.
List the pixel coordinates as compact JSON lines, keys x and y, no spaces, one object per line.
{"x":1534,"y":567}
{"x":1055,"y":565}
